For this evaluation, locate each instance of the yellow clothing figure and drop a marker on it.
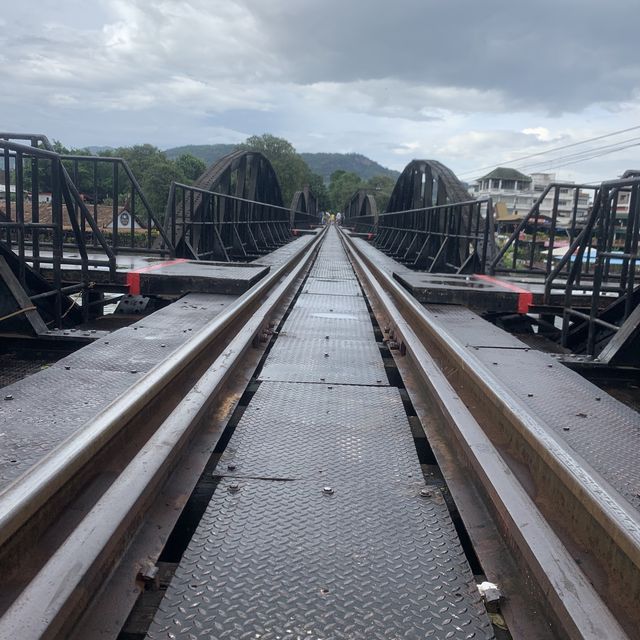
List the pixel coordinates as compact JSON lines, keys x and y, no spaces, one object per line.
{"x":333,"y":218}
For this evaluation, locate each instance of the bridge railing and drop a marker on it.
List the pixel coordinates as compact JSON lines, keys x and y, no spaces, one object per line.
{"x":206,"y":225}
{"x":117,"y":203}
{"x":453,"y":238}
{"x":543,"y":234}
{"x":105,"y":209}
{"x":601,"y":260}
{"x":38,"y":225}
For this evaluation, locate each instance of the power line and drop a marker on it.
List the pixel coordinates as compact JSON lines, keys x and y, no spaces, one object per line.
{"x":579,"y":154}
{"x":560,"y":148}
{"x":597,"y":155}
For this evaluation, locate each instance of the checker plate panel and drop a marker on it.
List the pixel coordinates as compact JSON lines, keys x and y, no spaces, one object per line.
{"x":283,"y":561}
{"x":303,"y":360}
{"x":306,"y":323}
{"x":605,"y":432}
{"x":47,"y":407}
{"x":332,"y":287}
{"x":328,"y":433}
{"x":332,"y":304}
{"x":471,"y":329}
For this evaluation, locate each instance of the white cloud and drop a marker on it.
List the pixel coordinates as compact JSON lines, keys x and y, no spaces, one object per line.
{"x":375,"y":81}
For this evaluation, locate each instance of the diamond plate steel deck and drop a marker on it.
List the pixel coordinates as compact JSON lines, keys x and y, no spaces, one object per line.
{"x":319,"y":360}
{"x":49,"y":406}
{"x":331,"y":271}
{"x":332,"y":287}
{"x":384,"y":261}
{"x":190,"y":312}
{"x":127,"y":349}
{"x":332,"y":304}
{"x":281,"y":255}
{"x":282,"y":560}
{"x":306,"y":323}
{"x":201,"y":276}
{"x":46,"y":408}
{"x":277,"y":555}
{"x":471,"y":329}
{"x":329,"y":433}
{"x":602,"y":430}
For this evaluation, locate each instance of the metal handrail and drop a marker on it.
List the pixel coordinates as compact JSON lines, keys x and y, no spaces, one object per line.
{"x":447,"y":236}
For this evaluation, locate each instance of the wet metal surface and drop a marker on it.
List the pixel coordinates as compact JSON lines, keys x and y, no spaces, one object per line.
{"x":287,"y":560}
{"x":602,"y":430}
{"x":329,"y":433}
{"x":320,"y":360}
{"x":321,"y":525}
{"x":49,"y":406}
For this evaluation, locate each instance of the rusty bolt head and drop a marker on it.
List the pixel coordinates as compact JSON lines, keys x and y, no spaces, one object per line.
{"x":426,"y":493}
{"x":231,"y":466}
{"x":234,"y":487}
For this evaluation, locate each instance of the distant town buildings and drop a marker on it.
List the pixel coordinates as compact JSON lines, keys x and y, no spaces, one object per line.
{"x":518,"y":192}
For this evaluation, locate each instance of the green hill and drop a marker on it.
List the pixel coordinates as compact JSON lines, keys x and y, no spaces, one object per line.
{"x":324,"y":164}
{"x":208,"y":153}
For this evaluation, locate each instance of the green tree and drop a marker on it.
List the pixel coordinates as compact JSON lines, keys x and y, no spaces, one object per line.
{"x":342,"y":186}
{"x":154,"y":172}
{"x":381,"y":187}
{"x":191,"y":167}
{"x":319,"y":189}
{"x":292,"y":171}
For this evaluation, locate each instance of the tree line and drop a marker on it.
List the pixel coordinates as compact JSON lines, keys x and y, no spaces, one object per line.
{"x":155,"y":172}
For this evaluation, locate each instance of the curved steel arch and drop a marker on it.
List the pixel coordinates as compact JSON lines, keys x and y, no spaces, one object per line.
{"x":426,"y":183}
{"x":361,"y":204}
{"x":209,"y":224}
{"x":244,"y":174}
{"x":304,"y":208}
{"x":433,"y":223}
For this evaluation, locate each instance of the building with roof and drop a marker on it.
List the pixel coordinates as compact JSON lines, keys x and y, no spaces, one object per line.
{"x":519,"y":192}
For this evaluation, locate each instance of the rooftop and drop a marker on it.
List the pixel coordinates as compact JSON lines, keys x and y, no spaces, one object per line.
{"x":505,"y":173}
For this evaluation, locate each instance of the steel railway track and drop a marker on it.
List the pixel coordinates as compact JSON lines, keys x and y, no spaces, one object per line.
{"x":514,"y":480}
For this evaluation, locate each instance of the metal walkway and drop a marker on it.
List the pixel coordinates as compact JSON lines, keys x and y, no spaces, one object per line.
{"x":321,"y":525}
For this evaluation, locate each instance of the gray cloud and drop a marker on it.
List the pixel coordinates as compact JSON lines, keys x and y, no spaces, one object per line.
{"x":459,"y":80}
{"x":563,"y":55}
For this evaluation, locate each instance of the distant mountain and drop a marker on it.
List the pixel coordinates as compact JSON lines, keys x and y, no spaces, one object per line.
{"x":96,"y":150}
{"x":325,"y":164}
{"x":208,"y":153}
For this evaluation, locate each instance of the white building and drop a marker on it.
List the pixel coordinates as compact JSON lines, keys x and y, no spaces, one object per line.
{"x":519,"y":192}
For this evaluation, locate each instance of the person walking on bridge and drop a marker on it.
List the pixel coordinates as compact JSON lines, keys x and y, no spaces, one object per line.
{"x":339,"y":218}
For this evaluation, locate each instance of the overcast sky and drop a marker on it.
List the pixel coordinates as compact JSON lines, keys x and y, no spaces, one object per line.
{"x":472,"y":84}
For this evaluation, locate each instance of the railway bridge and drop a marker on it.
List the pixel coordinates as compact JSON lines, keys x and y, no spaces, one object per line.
{"x":228,"y":420}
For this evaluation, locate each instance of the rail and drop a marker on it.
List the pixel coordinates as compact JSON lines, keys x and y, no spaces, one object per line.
{"x":100,"y":537}
{"x":497,"y":437}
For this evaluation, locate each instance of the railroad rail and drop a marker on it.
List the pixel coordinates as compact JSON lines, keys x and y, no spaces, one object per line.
{"x":507,"y":472}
